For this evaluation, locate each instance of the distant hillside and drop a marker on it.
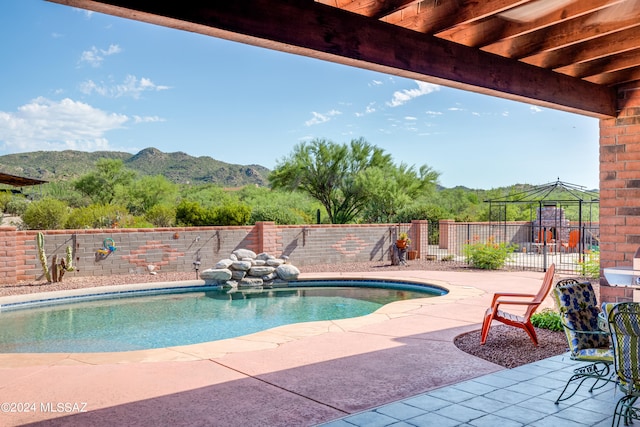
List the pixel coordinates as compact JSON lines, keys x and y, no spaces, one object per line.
{"x":177,"y":167}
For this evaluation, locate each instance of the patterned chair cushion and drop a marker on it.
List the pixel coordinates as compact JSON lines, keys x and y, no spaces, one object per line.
{"x":579,"y":308}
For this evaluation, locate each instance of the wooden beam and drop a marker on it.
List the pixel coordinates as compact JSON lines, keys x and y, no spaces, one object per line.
{"x":308,"y":28}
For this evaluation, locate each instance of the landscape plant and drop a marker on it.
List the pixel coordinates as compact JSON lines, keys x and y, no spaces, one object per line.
{"x":344,"y":178}
{"x":547,"y":319}
{"x":45,"y":214}
{"x":488,"y":255}
{"x":590,"y":265}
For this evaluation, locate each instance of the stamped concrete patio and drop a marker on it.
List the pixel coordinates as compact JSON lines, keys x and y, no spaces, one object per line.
{"x":397,"y":366}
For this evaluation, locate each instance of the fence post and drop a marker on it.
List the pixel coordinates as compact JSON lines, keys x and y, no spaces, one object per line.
{"x":420,"y":238}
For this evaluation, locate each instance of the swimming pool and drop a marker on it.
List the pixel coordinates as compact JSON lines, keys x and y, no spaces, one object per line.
{"x":156,"y":319}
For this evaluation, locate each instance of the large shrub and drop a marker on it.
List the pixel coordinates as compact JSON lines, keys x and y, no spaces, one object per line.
{"x":45,"y":214}
{"x":97,"y":216}
{"x":16,"y":206}
{"x":488,"y":255}
{"x":161,"y":215}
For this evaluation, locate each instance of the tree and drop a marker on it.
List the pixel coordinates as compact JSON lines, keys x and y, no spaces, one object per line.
{"x":345,"y":178}
{"x":102,"y":185}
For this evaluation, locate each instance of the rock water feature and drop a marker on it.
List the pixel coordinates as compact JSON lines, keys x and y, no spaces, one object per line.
{"x":246,"y":269}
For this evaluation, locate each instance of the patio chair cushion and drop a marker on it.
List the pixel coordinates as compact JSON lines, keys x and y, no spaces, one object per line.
{"x":595,"y":354}
{"x":578,"y":305}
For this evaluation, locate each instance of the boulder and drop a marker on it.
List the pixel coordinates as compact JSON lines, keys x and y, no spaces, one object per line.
{"x":260,"y":271}
{"x":224,"y":263}
{"x":217,"y":274}
{"x":241,"y":265}
{"x":263,"y":256}
{"x":274,"y":262}
{"x":244,"y":253}
{"x":238,"y":274}
{"x":287,"y":272}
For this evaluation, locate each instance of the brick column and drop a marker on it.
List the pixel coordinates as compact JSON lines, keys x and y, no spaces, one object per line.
{"x":620,"y":189}
{"x":419,"y":235}
{"x":8,"y":261}
{"x":267,"y":237}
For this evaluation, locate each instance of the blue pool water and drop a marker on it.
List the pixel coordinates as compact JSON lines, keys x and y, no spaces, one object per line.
{"x":165,"y":320}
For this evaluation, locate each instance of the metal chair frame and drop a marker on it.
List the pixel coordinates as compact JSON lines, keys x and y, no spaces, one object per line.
{"x":601,"y":358}
{"x":624,"y":325}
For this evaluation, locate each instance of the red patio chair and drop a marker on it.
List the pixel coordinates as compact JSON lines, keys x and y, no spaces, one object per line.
{"x":531,"y":301}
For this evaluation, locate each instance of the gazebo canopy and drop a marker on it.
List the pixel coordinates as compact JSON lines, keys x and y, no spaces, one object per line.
{"x":557,"y":192}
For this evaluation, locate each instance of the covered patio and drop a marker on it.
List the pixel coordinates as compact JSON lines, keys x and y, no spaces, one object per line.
{"x":576,"y":56}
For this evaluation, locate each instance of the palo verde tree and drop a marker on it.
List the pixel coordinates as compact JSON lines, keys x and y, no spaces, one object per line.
{"x":341,"y":177}
{"x":101,"y":186}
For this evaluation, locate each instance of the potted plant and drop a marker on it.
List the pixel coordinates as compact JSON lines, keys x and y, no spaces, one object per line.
{"x":403,"y":240}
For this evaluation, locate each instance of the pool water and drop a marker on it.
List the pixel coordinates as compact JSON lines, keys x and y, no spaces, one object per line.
{"x":166,"y":320}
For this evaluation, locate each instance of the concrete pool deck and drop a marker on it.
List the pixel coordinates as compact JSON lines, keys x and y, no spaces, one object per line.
{"x":304,"y":374}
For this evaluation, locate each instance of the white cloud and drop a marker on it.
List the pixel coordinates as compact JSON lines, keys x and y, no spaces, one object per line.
{"x":433,"y":113}
{"x":44,"y":124}
{"x":535,"y":109}
{"x":404,"y":96}
{"x":132,"y":86}
{"x":368,"y":110}
{"x":410,"y":118}
{"x":375,"y":83}
{"x":321,"y":118}
{"x":147,"y":119}
{"x":95,"y":56}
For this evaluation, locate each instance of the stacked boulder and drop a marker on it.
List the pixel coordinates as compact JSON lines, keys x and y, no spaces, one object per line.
{"x":246,"y":269}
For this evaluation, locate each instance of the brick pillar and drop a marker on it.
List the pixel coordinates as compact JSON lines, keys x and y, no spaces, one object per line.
{"x":419,"y":235}
{"x":8,"y":261}
{"x":447,"y":235}
{"x":620,"y":188}
{"x":268,"y":237}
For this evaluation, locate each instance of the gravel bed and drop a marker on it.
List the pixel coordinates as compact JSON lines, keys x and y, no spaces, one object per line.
{"x":506,"y":346}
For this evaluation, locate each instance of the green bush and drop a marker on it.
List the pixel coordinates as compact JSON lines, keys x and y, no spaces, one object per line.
{"x":276,"y":214}
{"x":590,"y":266}
{"x":161,"y":215}
{"x":488,"y":255}
{"x":232,"y":214}
{"x":5,"y":197}
{"x":45,"y":214}
{"x":547,"y":319}
{"x":97,"y":216}
{"x":192,"y":214}
{"x":16,"y":206}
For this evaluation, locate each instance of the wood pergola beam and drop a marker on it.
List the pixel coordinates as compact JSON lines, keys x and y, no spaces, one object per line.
{"x":316,"y":30}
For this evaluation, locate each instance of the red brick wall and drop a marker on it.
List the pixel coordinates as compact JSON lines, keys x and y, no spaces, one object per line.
{"x":620,"y":188}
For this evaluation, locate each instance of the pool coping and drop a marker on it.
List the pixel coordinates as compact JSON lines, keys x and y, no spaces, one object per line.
{"x":267,"y":339}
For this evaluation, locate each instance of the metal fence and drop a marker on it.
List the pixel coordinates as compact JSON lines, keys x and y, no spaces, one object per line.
{"x":533,"y":248}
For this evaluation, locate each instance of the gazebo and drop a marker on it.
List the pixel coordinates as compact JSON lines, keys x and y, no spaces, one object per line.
{"x":549,"y":202}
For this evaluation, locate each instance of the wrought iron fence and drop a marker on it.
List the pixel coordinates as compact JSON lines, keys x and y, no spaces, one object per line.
{"x":533,"y":249}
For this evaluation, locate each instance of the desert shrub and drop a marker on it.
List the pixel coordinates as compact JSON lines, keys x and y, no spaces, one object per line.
{"x":97,"y":216}
{"x":192,"y":214}
{"x":232,"y":214}
{"x":5,"y":197}
{"x":275,"y":214}
{"x":590,"y":266}
{"x":161,"y":215}
{"x":45,"y":214}
{"x":488,"y":255}
{"x":547,"y":319}
{"x":16,"y":206}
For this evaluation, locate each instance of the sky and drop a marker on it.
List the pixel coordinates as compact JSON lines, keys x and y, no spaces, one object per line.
{"x":76,"y":80}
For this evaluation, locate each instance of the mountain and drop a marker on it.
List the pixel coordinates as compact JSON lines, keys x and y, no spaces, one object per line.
{"x":177,"y":167}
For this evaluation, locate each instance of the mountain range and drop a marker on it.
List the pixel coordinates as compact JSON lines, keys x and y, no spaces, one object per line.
{"x":177,"y":167}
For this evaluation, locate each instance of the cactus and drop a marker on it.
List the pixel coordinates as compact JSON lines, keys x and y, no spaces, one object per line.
{"x":43,"y":256}
{"x":68,"y":264}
